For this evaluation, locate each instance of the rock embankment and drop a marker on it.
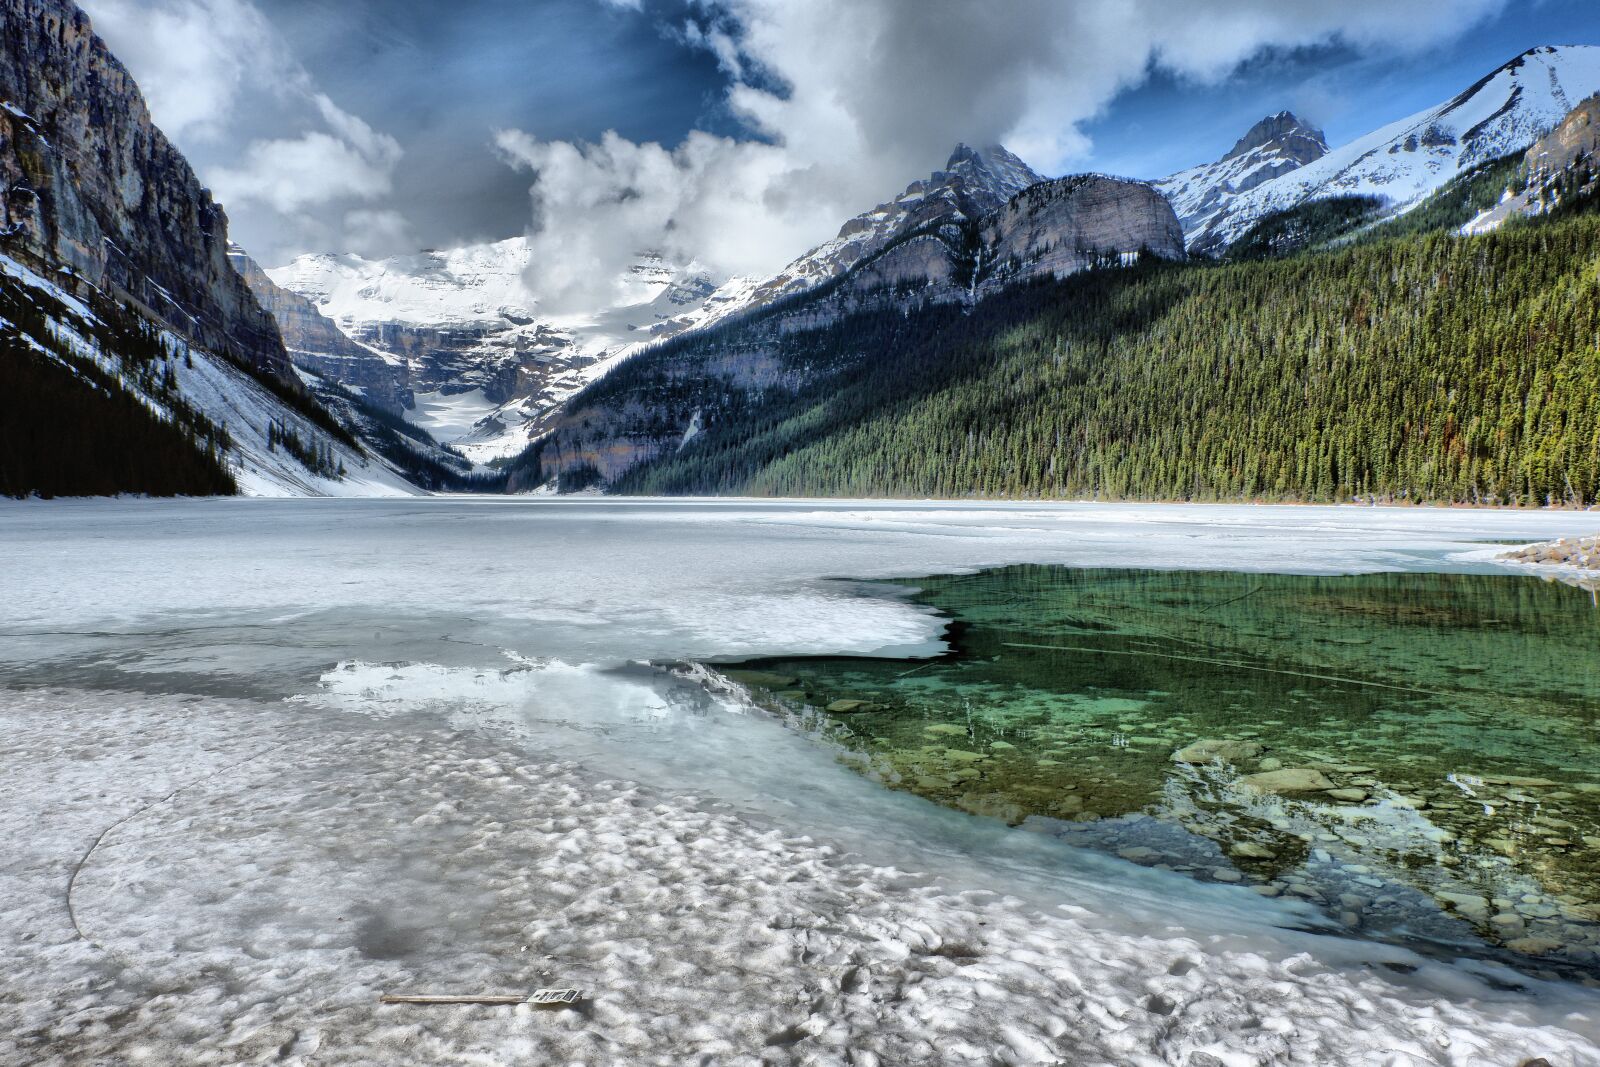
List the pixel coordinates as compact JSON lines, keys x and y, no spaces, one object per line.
{"x":1580,"y":552}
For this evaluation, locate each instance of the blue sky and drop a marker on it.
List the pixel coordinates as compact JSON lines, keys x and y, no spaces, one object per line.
{"x":379,"y":126}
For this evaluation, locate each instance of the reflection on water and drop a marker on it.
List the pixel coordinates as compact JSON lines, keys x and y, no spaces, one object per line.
{"x":1417,"y":753}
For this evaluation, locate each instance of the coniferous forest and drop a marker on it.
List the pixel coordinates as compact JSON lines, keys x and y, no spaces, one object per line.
{"x":1424,"y":368}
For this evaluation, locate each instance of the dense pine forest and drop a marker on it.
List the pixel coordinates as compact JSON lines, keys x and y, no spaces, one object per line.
{"x":1410,"y":368}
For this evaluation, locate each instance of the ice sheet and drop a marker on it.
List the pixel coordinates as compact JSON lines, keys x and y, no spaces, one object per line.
{"x":412,"y":746}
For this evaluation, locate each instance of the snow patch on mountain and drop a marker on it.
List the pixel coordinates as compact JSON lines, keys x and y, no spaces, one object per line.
{"x":1272,"y":148}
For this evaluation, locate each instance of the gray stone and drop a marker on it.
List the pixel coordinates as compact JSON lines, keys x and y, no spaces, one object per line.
{"x":1229,"y":751}
{"x":1287,"y":780}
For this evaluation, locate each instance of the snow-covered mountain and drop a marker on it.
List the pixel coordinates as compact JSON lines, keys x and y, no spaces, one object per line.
{"x":319,"y":347}
{"x":1406,"y":161}
{"x":975,"y":182}
{"x":1272,"y":148}
{"x":486,"y":366}
{"x":482,"y":361}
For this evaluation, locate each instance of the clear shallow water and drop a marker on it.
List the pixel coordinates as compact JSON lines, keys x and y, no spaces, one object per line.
{"x":1434,"y":736}
{"x":532,"y":623}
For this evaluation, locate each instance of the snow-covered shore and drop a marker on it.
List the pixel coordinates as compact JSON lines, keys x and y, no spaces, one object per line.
{"x":261,"y":876}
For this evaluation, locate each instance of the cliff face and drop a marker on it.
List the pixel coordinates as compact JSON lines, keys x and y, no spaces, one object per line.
{"x":317,"y":345}
{"x":1574,"y":143}
{"x":93,"y":188}
{"x":1062,"y":227}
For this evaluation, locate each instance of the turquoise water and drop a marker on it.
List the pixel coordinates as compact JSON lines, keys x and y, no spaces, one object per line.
{"x":1413,"y":753}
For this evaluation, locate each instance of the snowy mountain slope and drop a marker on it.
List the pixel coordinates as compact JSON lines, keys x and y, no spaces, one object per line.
{"x":483,"y":361}
{"x":974,"y":182}
{"x":1402,"y":163}
{"x":1272,"y":148}
{"x":488,"y":368}
{"x":1561,"y":167}
{"x":316,"y":345}
{"x":228,"y":406}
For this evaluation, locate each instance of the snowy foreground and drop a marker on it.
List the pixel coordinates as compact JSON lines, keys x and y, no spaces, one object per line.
{"x":265,"y":760}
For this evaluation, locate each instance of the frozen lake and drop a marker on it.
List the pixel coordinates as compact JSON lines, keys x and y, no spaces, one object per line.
{"x":267,"y":759}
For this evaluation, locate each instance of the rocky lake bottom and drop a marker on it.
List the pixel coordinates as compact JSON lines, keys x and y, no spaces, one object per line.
{"x":1415,"y":754}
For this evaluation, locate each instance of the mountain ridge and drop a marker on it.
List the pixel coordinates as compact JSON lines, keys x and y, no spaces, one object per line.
{"x":1405,"y":161}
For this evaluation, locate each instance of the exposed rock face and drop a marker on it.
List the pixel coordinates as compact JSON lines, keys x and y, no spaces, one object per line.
{"x":92,"y":186}
{"x":1272,"y":148}
{"x":1285,"y":137}
{"x":1065,"y":226}
{"x":1574,"y":143}
{"x":1564,"y":163}
{"x":317,"y":345}
{"x":901,"y":235}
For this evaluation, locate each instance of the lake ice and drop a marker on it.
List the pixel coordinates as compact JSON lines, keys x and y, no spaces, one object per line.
{"x":335,"y":748}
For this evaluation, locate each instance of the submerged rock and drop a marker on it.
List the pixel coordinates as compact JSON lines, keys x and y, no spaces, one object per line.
{"x":1227,"y":750}
{"x":845,"y":707}
{"x":764,"y":679}
{"x":1288,"y":780}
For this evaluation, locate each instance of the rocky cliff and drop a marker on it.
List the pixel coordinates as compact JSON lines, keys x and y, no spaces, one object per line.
{"x":916,"y":237}
{"x":96,"y":195}
{"x":1560,"y":169}
{"x":1062,"y":227}
{"x":1573,"y":144}
{"x":317,"y":345}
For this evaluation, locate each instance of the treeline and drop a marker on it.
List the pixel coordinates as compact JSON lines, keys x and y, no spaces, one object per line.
{"x":1417,"y":368}
{"x":315,"y":456}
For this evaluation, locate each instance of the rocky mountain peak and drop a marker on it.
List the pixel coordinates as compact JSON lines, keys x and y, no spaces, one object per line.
{"x":993,"y":167}
{"x":1287,"y":135}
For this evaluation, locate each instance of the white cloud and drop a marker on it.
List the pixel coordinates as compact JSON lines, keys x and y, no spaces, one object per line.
{"x":192,"y":58}
{"x":207,"y":66}
{"x":364,"y":228}
{"x":851,"y":99}
{"x":353,"y":162}
{"x":596,"y":206}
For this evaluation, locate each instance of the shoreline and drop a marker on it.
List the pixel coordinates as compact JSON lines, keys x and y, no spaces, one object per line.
{"x":265,"y":903}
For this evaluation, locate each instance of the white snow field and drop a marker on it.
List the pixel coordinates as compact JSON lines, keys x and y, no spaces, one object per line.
{"x":265,"y":760}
